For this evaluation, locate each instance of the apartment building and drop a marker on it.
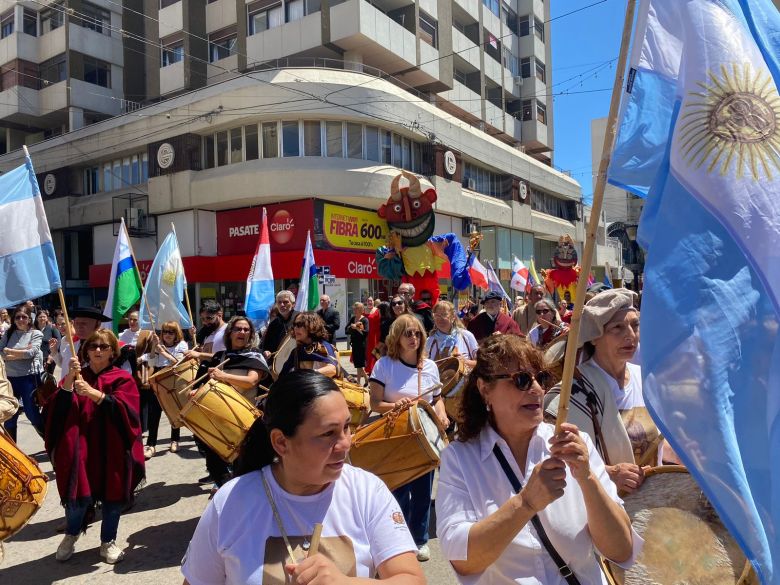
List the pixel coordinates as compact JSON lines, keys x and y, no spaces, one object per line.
{"x":200,"y":112}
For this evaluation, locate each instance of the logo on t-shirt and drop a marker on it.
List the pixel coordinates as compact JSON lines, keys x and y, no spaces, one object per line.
{"x":398,"y":518}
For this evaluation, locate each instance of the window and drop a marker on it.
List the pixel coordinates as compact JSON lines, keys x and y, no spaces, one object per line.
{"x":541,"y":73}
{"x":312,"y":139}
{"x":539,"y":29}
{"x":460,"y":76}
{"x":528,"y":110}
{"x":294,"y":9}
{"x":30,"y":22}
{"x":252,"y":148}
{"x":429,"y":29}
{"x":144,"y":167}
{"x":7,"y":25}
{"x":53,"y":70}
{"x":222,"y":148}
{"x":525,"y":67}
{"x":270,"y":140}
{"x":354,"y":140}
{"x":492,"y":5}
{"x":541,"y":112}
{"x":97,"y":72}
{"x":372,"y":143}
{"x":406,"y":153}
{"x":486,"y":182}
{"x":107,"y":182}
{"x":551,"y":205}
{"x":135,"y":170}
{"x":265,"y":18}
{"x":221,"y":48}
{"x":116,"y":174}
{"x":524,"y":25}
{"x":172,"y":54}
{"x":236,"y":146}
{"x":208,"y":151}
{"x":166,"y":3}
{"x":94,"y":18}
{"x":387,"y":143}
{"x":52,"y":18}
{"x":397,"y":156}
{"x":333,"y":139}
{"x":511,"y":62}
{"x":126,"y":171}
{"x":91,"y":180}
{"x":290,"y":135}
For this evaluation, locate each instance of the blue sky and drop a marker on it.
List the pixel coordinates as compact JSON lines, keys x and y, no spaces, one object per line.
{"x":583,"y":43}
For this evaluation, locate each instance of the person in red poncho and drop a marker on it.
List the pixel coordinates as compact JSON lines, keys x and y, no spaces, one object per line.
{"x":93,"y":432}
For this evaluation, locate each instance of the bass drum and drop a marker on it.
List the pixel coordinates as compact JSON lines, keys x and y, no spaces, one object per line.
{"x":22,"y":487}
{"x":400,"y":446}
{"x":685,"y":541}
{"x":452,"y":374}
{"x":285,"y":350}
{"x":172,"y":387}
{"x":358,"y":401}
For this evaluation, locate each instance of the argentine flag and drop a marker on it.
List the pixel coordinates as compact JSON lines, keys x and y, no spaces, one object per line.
{"x":308,"y":290}
{"x":124,"y":286}
{"x":28,"y":266}
{"x":164,"y":289}
{"x":260,"y":282}
{"x":700,"y":134}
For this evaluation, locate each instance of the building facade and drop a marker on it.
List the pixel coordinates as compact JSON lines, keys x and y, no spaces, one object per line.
{"x":210,"y":110}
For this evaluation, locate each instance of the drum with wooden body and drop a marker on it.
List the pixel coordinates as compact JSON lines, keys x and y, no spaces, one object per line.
{"x":22,"y":487}
{"x":554,"y":352}
{"x":286,"y":348}
{"x":401,"y":446}
{"x":358,"y":401}
{"x":172,"y":387}
{"x":452,"y":373}
{"x":685,"y":541}
{"x":220,"y":417}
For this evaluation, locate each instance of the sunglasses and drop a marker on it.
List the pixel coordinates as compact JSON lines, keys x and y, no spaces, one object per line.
{"x":299,"y":325}
{"x":543,"y":311}
{"x":523,"y":380}
{"x":412,"y":333}
{"x":171,"y":331}
{"x":21,"y":318}
{"x":100,"y":346}
{"x":241,"y":330}
{"x":396,"y":303}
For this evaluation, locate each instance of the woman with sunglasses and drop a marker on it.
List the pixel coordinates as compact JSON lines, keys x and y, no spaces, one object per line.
{"x":449,"y":337}
{"x":549,"y":324}
{"x":312,"y":350}
{"x":93,"y":433}
{"x":166,"y":350}
{"x":509,"y":478}
{"x":396,"y":380}
{"x":21,"y":349}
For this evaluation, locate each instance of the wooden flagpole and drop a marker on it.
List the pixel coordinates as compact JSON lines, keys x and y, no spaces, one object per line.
{"x":145,"y":301}
{"x":595,"y":214}
{"x":186,"y":293}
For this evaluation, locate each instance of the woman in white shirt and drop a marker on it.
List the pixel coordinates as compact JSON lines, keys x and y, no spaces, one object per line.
{"x":449,"y":337}
{"x":292,"y":476}
{"x":396,"y":380}
{"x":508,"y":479}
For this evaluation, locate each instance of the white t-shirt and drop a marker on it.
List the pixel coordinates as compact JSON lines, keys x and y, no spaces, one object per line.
{"x":129,"y":337}
{"x":399,"y":379}
{"x":216,"y":339}
{"x":160,"y":361}
{"x":441,"y":344}
{"x":631,"y":395}
{"x":237,"y":541}
{"x":472,"y":486}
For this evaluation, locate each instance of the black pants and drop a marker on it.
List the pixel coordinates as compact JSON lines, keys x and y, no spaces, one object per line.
{"x":218,"y":470}
{"x":154,"y":413}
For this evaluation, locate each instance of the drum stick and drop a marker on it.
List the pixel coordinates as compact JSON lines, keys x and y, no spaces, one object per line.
{"x":189,"y":386}
{"x":428,"y":391}
{"x":315,"y":540}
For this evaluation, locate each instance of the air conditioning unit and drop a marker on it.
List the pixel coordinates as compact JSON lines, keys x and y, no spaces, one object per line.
{"x":472,"y":184}
{"x":134,"y":218}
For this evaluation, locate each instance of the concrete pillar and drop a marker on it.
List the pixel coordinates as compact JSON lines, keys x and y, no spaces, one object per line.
{"x":75,"y":118}
{"x":353,"y":60}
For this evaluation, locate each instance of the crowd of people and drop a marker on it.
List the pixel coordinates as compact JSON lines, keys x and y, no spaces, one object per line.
{"x":516,"y":501}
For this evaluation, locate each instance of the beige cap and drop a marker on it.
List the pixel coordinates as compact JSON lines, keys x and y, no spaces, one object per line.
{"x":601,"y":309}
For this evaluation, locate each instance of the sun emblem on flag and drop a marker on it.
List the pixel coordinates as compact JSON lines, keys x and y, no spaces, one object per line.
{"x":169,"y":276}
{"x":735,"y":120}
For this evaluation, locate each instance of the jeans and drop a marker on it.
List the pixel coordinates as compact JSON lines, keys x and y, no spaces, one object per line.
{"x":23,"y":387}
{"x":74,"y":517}
{"x":154,"y":414}
{"x":415,"y":501}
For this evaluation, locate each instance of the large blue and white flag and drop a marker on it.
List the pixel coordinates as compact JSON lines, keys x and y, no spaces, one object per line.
{"x":164,"y":288}
{"x":701,"y":134}
{"x":260,"y":282}
{"x":28,"y":265}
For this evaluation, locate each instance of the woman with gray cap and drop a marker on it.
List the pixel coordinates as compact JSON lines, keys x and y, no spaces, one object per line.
{"x":606,"y":398}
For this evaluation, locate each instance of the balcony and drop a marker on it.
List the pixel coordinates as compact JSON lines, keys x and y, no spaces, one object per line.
{"x":172,"y":78}
{"x":171,"y":19}
{"x":94,"y":97}
{"x":220,"y":14}
{"x":513,"y":126}
{"x":533,"y":87}
{"x":471,"y":7}
{"x":285,"y":40}
{"x":464,"y":48}
{"x":531,"y":45}
{"x":494,"y":70}
{"x":18,"y":46}
{"x":51,"y":44}
{"x":95,"y":44}
{"x":535,"y":136}
{"x":464,"y":98}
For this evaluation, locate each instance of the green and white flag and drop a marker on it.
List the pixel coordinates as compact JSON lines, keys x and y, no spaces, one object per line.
{"x":124,"y":286}
{"x":308,"y":290}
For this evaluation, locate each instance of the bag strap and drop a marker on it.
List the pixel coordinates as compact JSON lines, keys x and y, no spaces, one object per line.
{"x":564,"y":569}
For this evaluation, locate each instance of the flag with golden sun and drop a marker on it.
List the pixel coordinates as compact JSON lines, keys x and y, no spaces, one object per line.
{"x":165,"y":286}
{"x":700,"y":137}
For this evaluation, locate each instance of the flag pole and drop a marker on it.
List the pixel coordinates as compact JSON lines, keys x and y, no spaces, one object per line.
{"x":593,"y":223}
{"x":143,"y":287}
{"x":186,"y":294}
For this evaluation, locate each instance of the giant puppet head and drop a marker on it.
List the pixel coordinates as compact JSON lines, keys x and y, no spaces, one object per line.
{"x":409,"y":211}
{"x":565,"y":253}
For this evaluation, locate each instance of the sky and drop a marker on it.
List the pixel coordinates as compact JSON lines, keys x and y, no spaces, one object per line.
{"x":585,"y":49}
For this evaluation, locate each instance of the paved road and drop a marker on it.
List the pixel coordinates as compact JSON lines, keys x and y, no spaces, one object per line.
{"x":156,"y":531}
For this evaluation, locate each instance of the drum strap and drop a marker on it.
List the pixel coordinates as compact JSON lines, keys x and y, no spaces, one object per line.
{"x":564,"y":569}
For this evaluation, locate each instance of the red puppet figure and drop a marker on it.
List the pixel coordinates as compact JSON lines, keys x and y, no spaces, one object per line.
{"x":409,"y":211}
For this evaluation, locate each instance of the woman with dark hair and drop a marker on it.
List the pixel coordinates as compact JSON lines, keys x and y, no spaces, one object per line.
{"x":93,"y":432}
{"x":292,"y":475}
{"x":512,"y":493}
{"x":21,"y":350}
{"x":312,"y":351}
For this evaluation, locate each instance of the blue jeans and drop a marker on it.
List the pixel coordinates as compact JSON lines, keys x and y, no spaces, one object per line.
{"x":415,"y":501}
{"x":74,"y":518}
{"x":23,"y":387}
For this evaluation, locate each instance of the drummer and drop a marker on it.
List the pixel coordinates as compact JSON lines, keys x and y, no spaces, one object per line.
{"x":548,"y":326}
{"x":292,"y":475}
{"x":211,"y":335}
{"x":449,"y":337}
{"x":244,"y":369}
{"x":312,"y":350}
{"x":509,"y":480}
{"x":396,"y":380}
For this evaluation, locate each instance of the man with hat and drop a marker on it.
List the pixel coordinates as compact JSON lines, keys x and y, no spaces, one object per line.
{"x":86,"y":320}
{"x":492,"y":321}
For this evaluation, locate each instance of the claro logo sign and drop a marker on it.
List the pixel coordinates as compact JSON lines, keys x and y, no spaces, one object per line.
{"x":367,"y":268}
{"x":282,"y":226}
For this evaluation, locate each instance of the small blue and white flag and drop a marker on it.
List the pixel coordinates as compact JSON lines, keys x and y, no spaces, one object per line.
{"x":308,"y":298}
{"x":164,"y":288}
{"x":700,"y":133}
{"x":260,"y":282}
{"x":494,"y":283}
{"x":28,"y":265}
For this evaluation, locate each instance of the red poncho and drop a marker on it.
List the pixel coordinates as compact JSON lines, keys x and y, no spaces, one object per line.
{"x":95,"y":449}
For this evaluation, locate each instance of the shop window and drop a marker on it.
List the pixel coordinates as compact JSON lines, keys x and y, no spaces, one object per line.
{"x":97,"y":72}
{"x":7,"y":25}
{"x":252,"y":148}
{"x":429,"y":29}
{"x":52,"y":18}
{"x":290,"y":139}
{"x":312,"y":139}
{"x":236,"y":146}
{"x":30,"y":22}
{"x":541,"y":112}
{"x":354,"y":140}
{"x":270,"y":140}
{"x":221,"y":47}
{"x":172,"y":54}
{"x":334,"y":139}
{"x":208,"y":152}
{"x":94,"y":18}
{"x":222,"y":148}
{"x":372,"y":143}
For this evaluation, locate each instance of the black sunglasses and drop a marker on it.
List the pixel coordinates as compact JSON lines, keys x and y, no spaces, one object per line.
{"x":523,"y":379}
{"x":396,"y":303}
